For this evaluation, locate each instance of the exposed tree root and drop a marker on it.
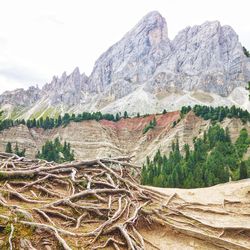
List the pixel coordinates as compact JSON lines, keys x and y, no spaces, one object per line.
{"x":99,"y":204}
{"x":11,"y":236}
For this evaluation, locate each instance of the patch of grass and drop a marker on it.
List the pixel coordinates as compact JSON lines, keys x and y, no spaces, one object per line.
{"x":3,"y":210}
{"x":2,"y":176}
{"x":7,"y":229}
{"x":50,"y":112}
{"x":175,"y":123}
{"x":45,"y":112}
{"x":149,"y":126}
{"x":16,"y":112}
{"x":37,"y":114}
{"x":83,"y":183}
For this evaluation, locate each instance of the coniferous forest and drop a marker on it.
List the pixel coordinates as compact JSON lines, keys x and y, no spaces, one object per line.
{"x":206,"y":112}
{"x":15,"y":150}
{"x":214,"y":159}
{"x":217,"y":113}
{"x":49,"y":123}
{"x":56,"y":151}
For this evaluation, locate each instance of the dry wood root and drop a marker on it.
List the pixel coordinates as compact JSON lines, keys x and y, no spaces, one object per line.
{"x":95,"y":204}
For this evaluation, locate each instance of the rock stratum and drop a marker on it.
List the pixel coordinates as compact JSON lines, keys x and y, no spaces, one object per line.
{"x":146,"y":72}
{"x":92,"y":139}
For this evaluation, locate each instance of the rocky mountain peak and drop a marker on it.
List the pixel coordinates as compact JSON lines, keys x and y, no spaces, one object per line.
{"x":67,"y":89}
{"x":133,"y":59}
{"x":146,"y":72}
{"x":153,"y":15}
{"x":64,"y":76}
{"x":76,"y":72}
{"x":153,"y":27}
{"x":20,"y":97}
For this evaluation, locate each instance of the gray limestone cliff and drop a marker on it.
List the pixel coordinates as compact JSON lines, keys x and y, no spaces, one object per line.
{"x":147,"y":71}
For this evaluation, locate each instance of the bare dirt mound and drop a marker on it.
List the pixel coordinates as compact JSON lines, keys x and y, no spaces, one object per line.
{"x":100,"y":205}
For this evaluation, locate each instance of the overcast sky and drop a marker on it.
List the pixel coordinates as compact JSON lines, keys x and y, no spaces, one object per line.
{"x":42,"y":38}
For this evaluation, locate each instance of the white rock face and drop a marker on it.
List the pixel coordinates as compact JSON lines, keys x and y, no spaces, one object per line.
{"x":145,"y":72}
{"x":208,"y":57}
{"x":134,"y":59}
{"x":67,"y":89}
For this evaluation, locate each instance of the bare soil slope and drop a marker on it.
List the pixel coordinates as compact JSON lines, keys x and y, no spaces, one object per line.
{"x":92,"y":139}
{"x":224,"y":208}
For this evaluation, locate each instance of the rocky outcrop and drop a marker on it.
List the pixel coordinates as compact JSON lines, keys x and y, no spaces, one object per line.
{"x":66,"y":89}
{"x":146,"y":71}
{"x":20,"y":97}
{"x":207,"y":57}
{"x":134,"y":59}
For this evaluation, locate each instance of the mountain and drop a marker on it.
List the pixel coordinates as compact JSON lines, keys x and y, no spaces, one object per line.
{"x":146,"y":72}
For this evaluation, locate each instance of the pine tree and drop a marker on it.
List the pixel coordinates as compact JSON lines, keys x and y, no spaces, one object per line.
{"x":248,"y":88}
{"x":8,"y":148}
{"x":125,"y":114}
{"x":154,"y":122}
{"x":117,"y":117}
{"x":41,"y":122}
{"x":246,"y":52}
{"x":16,"y":149}
{"x":243,"y":170}
{"x":34,"y":123}
{"x":55,"y":151}
{"x":59,"y":121}
{"x":212,"y":160}
{"x":66,"y":119}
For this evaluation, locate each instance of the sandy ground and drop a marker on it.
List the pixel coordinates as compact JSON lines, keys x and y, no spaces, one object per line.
{"x":236,"y":190}
{"x":218,"y":207}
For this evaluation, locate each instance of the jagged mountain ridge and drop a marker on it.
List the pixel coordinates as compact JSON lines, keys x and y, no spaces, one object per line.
{"x":145,"y":72}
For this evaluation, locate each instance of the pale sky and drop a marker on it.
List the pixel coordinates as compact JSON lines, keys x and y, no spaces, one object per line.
{"x":42,"y":38}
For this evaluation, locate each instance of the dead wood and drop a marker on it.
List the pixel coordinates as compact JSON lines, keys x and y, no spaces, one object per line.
{"x":11,"y":236}
{"x":99,"y":204}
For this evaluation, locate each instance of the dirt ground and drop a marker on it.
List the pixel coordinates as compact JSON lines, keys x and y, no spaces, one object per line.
{"x":99,"y":204}
{"x":226,"y":205}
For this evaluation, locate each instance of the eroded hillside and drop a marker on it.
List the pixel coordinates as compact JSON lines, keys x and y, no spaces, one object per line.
{"x":92,"y":139}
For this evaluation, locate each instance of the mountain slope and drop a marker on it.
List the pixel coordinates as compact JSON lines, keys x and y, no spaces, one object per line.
{"x":146,"y":71}
{"x":92,"y":139}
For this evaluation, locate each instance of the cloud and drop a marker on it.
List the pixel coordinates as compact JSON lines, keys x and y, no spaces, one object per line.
{"x":3,"y":42}
{"x":20,"y":74}
{"x":16,"y":76}
{"x":51,"y":18}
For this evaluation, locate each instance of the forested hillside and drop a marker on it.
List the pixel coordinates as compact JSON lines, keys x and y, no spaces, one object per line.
{"x":51,"y":122}
{"x":217,"y":113}
{"x":206,"y":112}
{"x":214,"y":159}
